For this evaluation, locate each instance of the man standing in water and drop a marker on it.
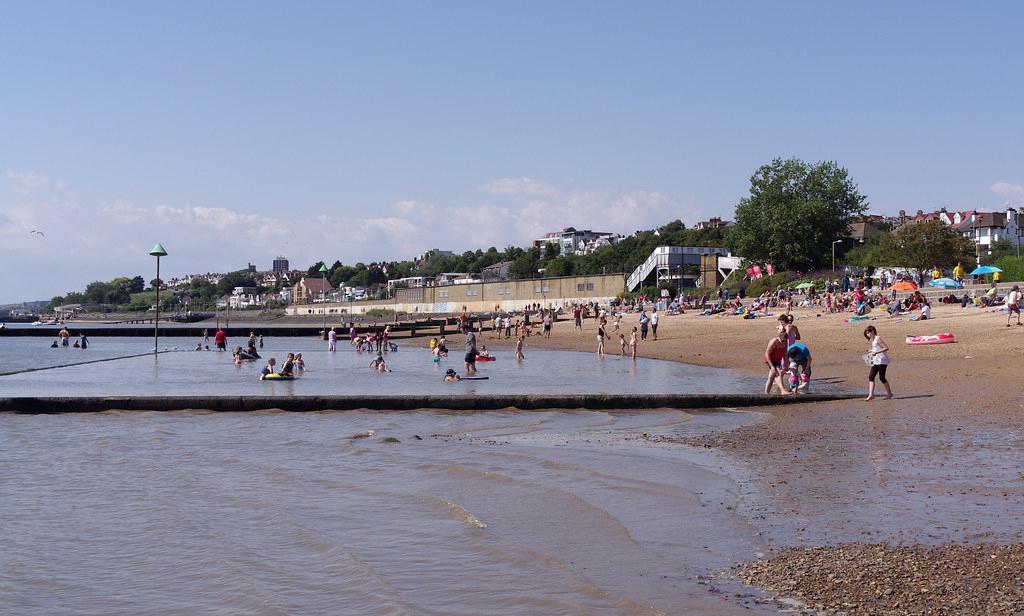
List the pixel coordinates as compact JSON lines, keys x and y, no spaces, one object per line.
{"x":332,"y":340}
{"x":470,"y":352}
{"x":221,"y":339}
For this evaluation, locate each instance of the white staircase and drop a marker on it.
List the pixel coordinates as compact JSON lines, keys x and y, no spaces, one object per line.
{"x":664,"y":258}
{"x":658,"y":258}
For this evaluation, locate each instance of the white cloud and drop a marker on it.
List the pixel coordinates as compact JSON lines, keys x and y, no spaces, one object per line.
{"x":526,"y":187}
{"x":1008,"y":190}
{"x":413,"y":208}
{"x":27,"y":183}
{"x":89,"y":241}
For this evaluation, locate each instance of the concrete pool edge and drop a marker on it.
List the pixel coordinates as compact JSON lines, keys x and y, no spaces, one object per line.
{"x":523,"y":402}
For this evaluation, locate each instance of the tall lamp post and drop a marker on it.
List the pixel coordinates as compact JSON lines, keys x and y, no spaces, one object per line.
{"x":158,"y":251}
{"x":834,"y":254}
{"x":323,"y":295}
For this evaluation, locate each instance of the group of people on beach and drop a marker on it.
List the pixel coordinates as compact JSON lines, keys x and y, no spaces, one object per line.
{"x":789,"y":360}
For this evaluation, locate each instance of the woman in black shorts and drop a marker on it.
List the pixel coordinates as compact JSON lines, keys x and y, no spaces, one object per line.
{"x":878,"y":357}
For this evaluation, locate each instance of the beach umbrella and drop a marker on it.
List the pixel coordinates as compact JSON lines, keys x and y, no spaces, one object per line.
{"x":985,"y":269}
{"x":946,"y":283}
{"x":904,"y":285}
{"x":805,"y":285}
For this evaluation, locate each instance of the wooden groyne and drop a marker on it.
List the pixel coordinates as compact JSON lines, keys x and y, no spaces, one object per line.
{"x":465,"y":403}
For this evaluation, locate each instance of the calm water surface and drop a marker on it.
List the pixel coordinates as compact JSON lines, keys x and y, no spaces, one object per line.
{"x":279,"y":513}
{"x":185,"y":372}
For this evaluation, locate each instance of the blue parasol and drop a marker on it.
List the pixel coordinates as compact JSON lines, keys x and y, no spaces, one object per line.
{"x":946,"y":283}
{"x":985,"y":269}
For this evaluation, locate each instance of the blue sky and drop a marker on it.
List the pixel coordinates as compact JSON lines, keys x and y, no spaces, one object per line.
{"x":234,"y":131}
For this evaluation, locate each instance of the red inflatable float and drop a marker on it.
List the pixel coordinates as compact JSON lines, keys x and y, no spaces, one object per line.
{"x":943,"y":338}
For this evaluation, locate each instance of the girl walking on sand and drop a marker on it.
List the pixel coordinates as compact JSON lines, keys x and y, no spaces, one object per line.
{"x":878,"y":355}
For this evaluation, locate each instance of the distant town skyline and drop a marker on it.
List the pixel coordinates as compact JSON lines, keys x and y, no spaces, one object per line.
{"x":238,"y":132}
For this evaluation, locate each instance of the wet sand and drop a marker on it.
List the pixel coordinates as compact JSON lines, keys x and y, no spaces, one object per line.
{"x":939,"y":464}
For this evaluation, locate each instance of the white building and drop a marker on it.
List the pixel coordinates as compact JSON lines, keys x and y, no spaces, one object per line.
{"x":245,"y":297}
{"x":572,"y":241}
{"x":986,"y":228}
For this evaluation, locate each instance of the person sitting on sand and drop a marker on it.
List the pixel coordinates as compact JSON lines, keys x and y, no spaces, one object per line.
{"x":450,"y":376}
{"x":378,"y":363}
{"x":269,"y":368}
{"x":990,"y":297}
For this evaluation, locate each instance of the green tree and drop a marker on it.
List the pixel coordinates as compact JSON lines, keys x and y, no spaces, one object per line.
{"x":119,"y":291}
{"x":241,"y":278}
{"x":925,"y":245}
{"x":138,"y":285}
{"x":551,"y":251}
{"x":96,"y":292}
{"x":1000,"y":249}
{"x":526,"y":265}
{"x":794,"y":212}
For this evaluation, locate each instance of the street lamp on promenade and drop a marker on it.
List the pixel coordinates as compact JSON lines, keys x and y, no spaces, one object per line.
{"x":158,"y":251}
{"x":834,"y":254}
{"x":323,"y":295}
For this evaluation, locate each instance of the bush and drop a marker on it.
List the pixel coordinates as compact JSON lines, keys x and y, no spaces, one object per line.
{"x":1013,"y":268}
{"x":766,"y":283}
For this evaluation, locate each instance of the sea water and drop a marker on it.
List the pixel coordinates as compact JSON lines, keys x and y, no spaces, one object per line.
{"x":432,"y":513}
{"x":361,"y":512}
{"x":181,"y":371}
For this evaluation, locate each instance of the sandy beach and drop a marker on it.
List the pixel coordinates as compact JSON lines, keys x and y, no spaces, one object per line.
{"x":939,"y":465}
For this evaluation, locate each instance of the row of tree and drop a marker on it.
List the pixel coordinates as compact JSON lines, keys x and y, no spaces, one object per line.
{"x":133,"y":294}
{"x":792,"y":216}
